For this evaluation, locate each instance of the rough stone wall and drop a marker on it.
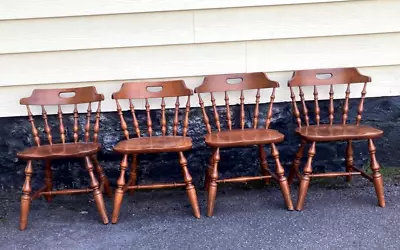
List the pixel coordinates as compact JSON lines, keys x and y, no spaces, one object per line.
{"x":15,"y":135}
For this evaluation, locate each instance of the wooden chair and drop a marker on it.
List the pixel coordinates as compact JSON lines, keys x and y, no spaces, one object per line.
{"x":153,"y":144}
{"x":76,"y":149}
{"x":331,"y":132}
{"x":242,"y":136}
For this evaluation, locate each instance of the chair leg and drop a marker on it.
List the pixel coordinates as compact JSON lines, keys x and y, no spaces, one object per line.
{"x":132,"y":174}
{"x":48,"y":179}
{"x":97,"y":195}
{"x":26,"y":196}
{"x":208,"y":171}
{"x":119,"y":191}
{"x":191,"y":191}
{"x":103,"y":177}
{"x":212,"y":187}
{"x":378,"y":180}
{"x":349,"y":160}
{"x":263,"y":163}
{"x":294,"y":170}
{"x":281,"y":178}
{"x":305,"y":181}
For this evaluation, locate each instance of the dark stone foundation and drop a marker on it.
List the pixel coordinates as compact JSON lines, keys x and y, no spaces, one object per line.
{"x":15,"y":135}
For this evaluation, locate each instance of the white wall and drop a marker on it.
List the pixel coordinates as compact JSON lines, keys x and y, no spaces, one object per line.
{"x":54,"y":43}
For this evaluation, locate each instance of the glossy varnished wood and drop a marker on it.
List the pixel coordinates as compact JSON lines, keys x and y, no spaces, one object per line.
{"x":85,"y":149}
{"x":145,"y":143}
{"x":313,"y":133}
{"x":242,"y":136}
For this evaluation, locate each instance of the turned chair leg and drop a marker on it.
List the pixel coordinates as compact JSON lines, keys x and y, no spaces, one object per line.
{"x":132,"y":174}
{"x":103,"y":177}
{"x":208,"y":171}
{"x":294,"y":170}
{"x":263,"y":163}
{"x":281,"y":178}
{"x":378,"y":180}
{"x":305,"y":181}
{"x":119,"y":191}
{"x":349,"y":160}
{"x":97,"y":195}
{"x":26,"y":196}
{"x":212,"y":187}
{"x":191,"y":191}
{"x":48,"y":179}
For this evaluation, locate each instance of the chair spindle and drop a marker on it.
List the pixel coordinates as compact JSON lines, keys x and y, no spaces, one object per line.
{"x":176,"y":117}
{"x":316,"y":104}
{"x":205,"y":116}
{"x":60,"y":119}
{"x":346,"y":105}
{"x":135,"y":121}
{"x":216,"y":116}
{"x":269,"y":114}
{"x":228,"y":111}
{"x":34,"y":129}
{"x":75,"y":128}
{"x":361,"y":105}
{"x":186,"y":121}
{"x":305,"y":110}
{"x":149,"y":123}
{"x":163,"y":120}
{"x":46,"y":125}
{"x":242,"y":116}
{"x":256,"y":109}
{"x":96,"y":128}
{"x":87,"y":126}
{"x":331,"y":107}
{"x":295,"y":108}
{"x":124,"y":127}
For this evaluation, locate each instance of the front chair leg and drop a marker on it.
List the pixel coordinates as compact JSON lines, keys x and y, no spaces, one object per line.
{"x":208,"y":171}
{"x":48,"y":179}
{"x":378,"y":180}
{"x":191,"y":191}
{"x":97,"y":195}
{"x":263,"y":163}
{"x":305,"y":181}
{"x":294,"y":170}
{"x":212,"y":187}
{"x":26,"y":196}
{"x":349,"y":160}
{"x":103,"y":177}
{"x":281,"y":178}
{"x":119,"y":191}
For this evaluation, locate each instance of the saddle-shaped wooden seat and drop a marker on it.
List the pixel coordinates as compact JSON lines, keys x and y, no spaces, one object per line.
{"x":57,"y":151}
{"x":157,"y":144}
{"x":338,"y":132}
{"x":245,"y":137}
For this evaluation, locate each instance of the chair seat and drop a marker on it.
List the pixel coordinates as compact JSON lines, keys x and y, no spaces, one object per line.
{"x":154,"y":144}
{"x":53,"y":151}
{"x":338,"y":132}
{"x":245,"y":137}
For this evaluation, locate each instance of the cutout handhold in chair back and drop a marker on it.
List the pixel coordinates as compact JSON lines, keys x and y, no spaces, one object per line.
{"x":316,"y":77}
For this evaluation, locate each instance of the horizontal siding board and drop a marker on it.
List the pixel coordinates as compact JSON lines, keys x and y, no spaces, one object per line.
{"x":127,"y":63}
{"x":291,"y":21}
{"x":199,"y":59}
{"x":22,"y":9}
{"x":73,"y":33}
{"x":202,"y":26}
{"x":385,"y":81}
{"x":325,"y":52}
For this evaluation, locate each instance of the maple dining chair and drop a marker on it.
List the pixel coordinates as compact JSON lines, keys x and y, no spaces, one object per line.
{"x":257,"y":134}
{"x":167,"y":141}
{"x":85,"y":149}
{"x":334,"y":131}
